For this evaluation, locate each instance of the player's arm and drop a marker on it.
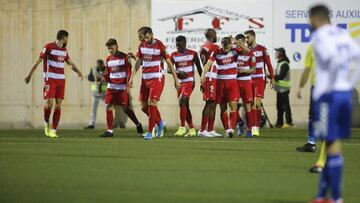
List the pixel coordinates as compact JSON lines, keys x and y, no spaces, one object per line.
{"x":252,"y":68}
{"x":33,"y":68}
{"x":137,"y":66}
{"x":206,"y":69}
{"x":269,"y":67}
{"x":198,"y":64}
{"x":173,"y":72}
{"x":74,"y":68}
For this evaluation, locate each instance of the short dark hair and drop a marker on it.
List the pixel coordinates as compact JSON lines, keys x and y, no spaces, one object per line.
{"x":226,"y":39}
{"x":61,"y":34}
{"x":111,"y":42}
{"x":100,"y":61}
{"x":321,"y":11}
{"x":140,"y":30}
{"x":208,"y":31}
{"x":251,"y":32}
{"x":239,"y":36}
{"x":145,"y":30}
{"x":180,"y":38}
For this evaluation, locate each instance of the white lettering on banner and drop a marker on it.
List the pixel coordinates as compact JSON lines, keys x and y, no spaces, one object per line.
{"x":58,"y":52}
{"x":149,"y":51}
{"x":113,"y":63}
{"x":183,"y":58}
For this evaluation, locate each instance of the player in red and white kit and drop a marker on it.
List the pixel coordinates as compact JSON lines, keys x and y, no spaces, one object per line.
{"x":150,"y":54}
{"x":208,"y":87}
{"x":246,"y":64}
{"x":227,"y":86}
{"x":258,"y":78}
{"x":117,"y":75}
{"x":184,"y":61}
{"x":54,"y":56}
{"x":144,"y":104}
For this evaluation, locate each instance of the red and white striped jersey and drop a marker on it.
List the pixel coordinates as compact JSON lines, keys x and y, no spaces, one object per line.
{"x":184,"y":62}
{"x":205,"y":51}
{"x":152,"y":56}
{"x":54,"y":58}
{"x":118,"y":71}
{"x":245,"y":62}
{"x":227,"y":63}
{"x":262,"y":58}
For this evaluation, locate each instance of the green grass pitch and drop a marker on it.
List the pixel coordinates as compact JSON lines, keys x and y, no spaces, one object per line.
{"x":81,"y":167}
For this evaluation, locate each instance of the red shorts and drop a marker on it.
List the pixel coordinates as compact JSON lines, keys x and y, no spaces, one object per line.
{"x":209,"y":90}
{"x":258,"y":87}
{"x":227,"y":91}
{"x":185,"y":89}
{"x":116,"y":97}
{"x":54,"y":89}
{"x":246,"y":91}
{"x":151,"y":89}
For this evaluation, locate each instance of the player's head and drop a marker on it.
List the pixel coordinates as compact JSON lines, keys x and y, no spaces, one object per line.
{"x":147,"y":34}
{"x":250,"y":37}
{"x":62,"y":36}
{"x":210,"y":35}
{"x":226,"y":43}
{"x":139,"y":32}
{"x":99,"y":63}
{"x":319,"y":15}
{"x":180,"y":43}
{"x":240,"y":38}
{"x":112,"y":46}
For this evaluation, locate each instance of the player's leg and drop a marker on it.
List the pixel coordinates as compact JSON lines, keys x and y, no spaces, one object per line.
{"x":224,"y":116}
{"x":183,"y":114}
{"x":47,"y":111}
{"x":257,"y":116}
{"x":155,"y":90}
{"x":233,"y":117}
{"x":249,"y":119}
{"x":130,"y":112}
{"x":56,"y":117}
{"x":192,"y":131}
{"x":320,"y":163}
{"x":310,"y":146}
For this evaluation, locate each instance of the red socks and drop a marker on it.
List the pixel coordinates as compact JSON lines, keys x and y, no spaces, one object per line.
{"x":233,"y":119}
{"x":47,"y":113}
{"x":183,"y":115}
{"x":189,"y":118}
{"x":250,"y":120}
{"x":56,"y":118}
{"x":225,"y":119}
{"x":109,"y":119}
{"x":204,"y":122}
{"x":153,"y":116}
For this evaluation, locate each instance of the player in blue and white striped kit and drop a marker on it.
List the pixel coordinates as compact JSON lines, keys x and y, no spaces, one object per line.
{"x":334,"y":50}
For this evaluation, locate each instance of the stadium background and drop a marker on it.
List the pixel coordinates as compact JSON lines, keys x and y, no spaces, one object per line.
{"x":26,"y":25}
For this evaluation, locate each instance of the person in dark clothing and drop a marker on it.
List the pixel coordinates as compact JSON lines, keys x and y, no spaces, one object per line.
{"x":282,"y":88}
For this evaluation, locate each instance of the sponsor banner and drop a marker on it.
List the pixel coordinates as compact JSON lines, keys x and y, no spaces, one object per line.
{"x":277,"y":23}
{"x":292,"y":28}
{"x":171,"y":18}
